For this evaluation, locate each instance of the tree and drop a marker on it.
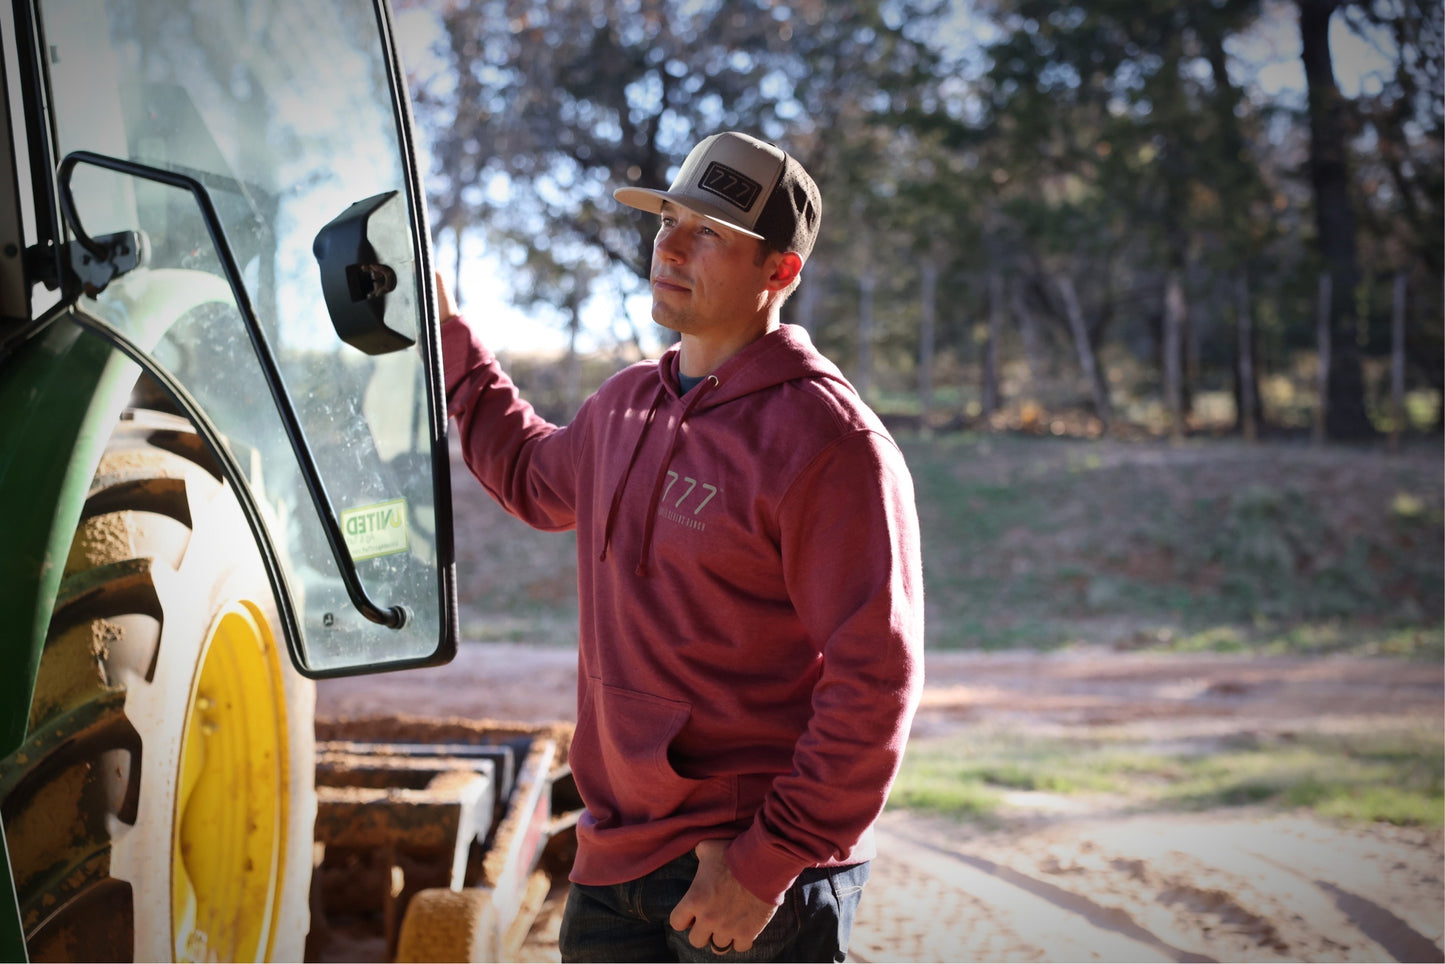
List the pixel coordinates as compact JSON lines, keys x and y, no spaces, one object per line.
{"x":1400,"y":167}
{"x":1345,"y":416}
{"x":1244,"y":221}
{"x":555,"y":105}
{"x":1134,"y":194}
{"x":1126,"y":126}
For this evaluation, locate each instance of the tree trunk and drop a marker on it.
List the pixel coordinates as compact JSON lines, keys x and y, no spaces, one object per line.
{"x":456,"y":292}
{"x":1028,"y":330}
{"x":1324,"y":299}
{"x":1238,"y":180}
{"x":1246,"y":381}
{"x":1085,"y":350}
{"x":989,"y":389}
{"x":634,"y":338}
{"x":1345,"y":416}
{"x":1397,"y":362}
{"x":572,"y":390}
{"x":863,"y":380}
{"x":805,"y":303}
{"x":1194,"y":338}
{"x":927,"y":334}
{"x":1174,"y":312}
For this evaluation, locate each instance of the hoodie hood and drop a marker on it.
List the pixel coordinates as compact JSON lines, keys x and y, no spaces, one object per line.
{"x":783,"y":355}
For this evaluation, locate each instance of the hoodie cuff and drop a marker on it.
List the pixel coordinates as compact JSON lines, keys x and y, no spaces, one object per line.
{"x":764,"y":870}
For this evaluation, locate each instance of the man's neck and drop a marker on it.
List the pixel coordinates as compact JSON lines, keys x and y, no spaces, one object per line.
{"x":700,"y":356}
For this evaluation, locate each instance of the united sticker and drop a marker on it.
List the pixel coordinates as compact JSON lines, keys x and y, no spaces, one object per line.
{"x":375,"y":530}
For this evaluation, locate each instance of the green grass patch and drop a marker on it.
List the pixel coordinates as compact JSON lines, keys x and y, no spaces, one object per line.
{"x":967,"y":779}
{"x":1393,"y":777}
{"x":938,"y":792}
{"x":1229,"y":547}
{"x":1044,"y":543}
{"x":1425,"y":643}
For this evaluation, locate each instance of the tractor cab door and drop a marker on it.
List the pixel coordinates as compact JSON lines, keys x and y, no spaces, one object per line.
{"x":242,"y":209}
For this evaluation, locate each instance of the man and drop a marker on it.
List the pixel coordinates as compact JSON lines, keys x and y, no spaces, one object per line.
{"x":750,"y":592}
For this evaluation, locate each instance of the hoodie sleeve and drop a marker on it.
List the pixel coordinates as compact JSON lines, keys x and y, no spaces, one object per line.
{"x":850,"y":545}
{"x":524,"y":461}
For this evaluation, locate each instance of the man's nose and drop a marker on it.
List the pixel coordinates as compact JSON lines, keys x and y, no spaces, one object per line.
{"x":670,"y":245}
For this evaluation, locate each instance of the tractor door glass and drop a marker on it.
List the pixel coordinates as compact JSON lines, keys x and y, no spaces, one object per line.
{"x":289,"y":113}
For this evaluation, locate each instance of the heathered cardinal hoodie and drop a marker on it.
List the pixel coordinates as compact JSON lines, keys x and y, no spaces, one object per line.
{"x":750,"y":598}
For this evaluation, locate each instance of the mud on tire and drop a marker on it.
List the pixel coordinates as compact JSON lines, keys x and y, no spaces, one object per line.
{"x":162,"y":805}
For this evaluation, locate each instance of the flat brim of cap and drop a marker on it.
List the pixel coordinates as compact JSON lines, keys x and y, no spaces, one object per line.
{"x":646,"y":199}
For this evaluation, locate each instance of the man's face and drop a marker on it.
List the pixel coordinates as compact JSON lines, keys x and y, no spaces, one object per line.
{"x":706,"y":278}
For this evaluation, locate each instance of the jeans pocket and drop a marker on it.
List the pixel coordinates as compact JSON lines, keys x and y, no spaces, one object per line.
{"x":847,"y":889}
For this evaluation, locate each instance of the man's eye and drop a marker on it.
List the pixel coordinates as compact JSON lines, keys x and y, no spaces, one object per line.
{"x":708,"y":231}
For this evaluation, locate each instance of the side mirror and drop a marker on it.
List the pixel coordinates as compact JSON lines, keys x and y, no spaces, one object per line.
{"x":362,"y":252}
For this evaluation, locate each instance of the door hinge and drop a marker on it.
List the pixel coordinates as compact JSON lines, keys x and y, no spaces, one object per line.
{"x":94,"y":265}
{"x":106,"y":257}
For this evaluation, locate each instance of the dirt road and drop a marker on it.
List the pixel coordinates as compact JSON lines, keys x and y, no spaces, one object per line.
{"x":1071,"y":878}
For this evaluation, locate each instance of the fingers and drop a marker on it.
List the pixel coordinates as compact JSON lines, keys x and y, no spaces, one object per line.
{"x":703,"y":933}
{"x":682,"y":917}
{"x":716,"y":912}
{"x":446,"y":307}
{"x":700,"y":937}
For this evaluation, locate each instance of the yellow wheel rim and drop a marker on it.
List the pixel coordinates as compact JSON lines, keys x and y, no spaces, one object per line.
{"x":230,"y":828}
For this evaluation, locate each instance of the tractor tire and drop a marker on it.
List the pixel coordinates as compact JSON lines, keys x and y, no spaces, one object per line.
{"x":162,"y":806}
{"x":450,"y":925}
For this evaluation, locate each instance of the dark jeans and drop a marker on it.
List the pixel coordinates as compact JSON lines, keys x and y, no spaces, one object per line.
{"x":628,"y":922}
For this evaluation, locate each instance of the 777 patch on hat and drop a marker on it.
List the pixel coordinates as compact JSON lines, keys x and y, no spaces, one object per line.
{"x":731,"y":185}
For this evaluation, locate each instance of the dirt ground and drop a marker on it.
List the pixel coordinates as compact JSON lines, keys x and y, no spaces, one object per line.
{"x":1073,"y":878}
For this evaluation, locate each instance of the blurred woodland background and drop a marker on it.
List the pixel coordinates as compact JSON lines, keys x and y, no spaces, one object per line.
{"x":1055,"y":235}
{"x":1053,"y":217}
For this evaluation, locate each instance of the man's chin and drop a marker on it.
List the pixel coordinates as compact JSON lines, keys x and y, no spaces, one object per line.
{"x":670,"y":320}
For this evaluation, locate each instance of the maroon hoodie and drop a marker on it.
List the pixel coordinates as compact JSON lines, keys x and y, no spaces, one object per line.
{"x":751,"y":601}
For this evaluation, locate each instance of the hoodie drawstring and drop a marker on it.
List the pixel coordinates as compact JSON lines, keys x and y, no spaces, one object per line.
{"x":696,"y":394}
{"x":636,"y":449}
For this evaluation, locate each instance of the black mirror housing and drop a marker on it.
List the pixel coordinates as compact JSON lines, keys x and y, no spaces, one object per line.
{"x":366,"y":269}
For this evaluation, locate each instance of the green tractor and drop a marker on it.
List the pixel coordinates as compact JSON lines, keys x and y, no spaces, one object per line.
{"x":223,"y":449}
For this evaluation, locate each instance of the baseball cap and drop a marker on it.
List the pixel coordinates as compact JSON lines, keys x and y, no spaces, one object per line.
{"x":747,"y":184}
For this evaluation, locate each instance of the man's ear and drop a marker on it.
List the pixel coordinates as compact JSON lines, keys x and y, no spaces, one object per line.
{"x":785,"y":271}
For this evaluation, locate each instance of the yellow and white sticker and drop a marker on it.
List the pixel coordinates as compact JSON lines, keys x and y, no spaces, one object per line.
{"x":375,"y":530}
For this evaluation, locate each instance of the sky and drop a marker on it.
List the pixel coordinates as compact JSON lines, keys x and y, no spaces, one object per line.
{"x":1265,"y":62}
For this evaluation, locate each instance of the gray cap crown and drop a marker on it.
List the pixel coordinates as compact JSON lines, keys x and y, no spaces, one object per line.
{"x":747,"y":184}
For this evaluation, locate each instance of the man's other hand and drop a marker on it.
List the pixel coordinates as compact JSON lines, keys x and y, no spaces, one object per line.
{"x":719,"y":910}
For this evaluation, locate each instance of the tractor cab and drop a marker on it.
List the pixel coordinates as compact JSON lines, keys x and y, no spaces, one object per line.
{"x":222,"y":454}
{"x":226,"y":192}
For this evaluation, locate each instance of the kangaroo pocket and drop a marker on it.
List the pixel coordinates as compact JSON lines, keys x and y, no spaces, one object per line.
{"x":619,"y":757}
